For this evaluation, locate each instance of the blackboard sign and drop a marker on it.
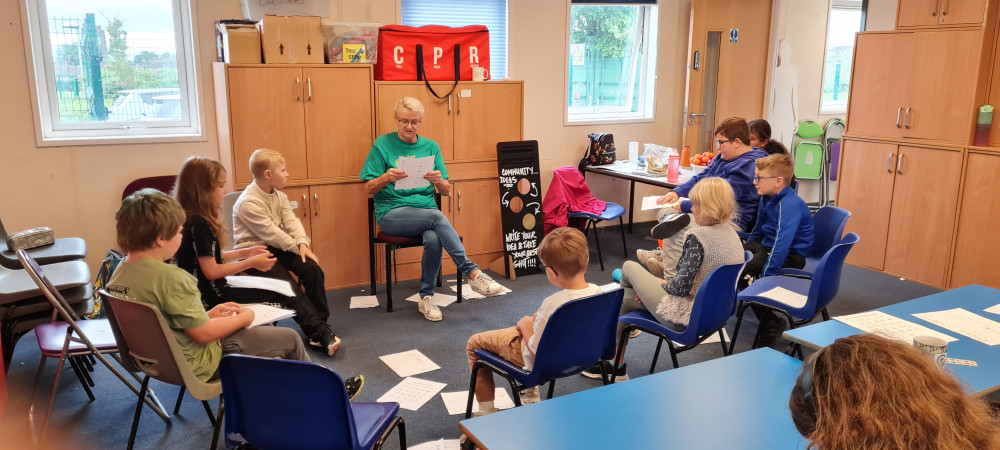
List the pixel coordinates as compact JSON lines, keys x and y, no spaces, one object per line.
{"x":520,"y":204}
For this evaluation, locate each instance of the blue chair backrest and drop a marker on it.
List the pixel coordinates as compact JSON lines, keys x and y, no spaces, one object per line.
{"x":826,"y":279}
{"x":828,"y":223}
{"x":611,"y":334}
{"x":275,"y":403}
{"x":576,"y":336}
{"x":715,"y":301}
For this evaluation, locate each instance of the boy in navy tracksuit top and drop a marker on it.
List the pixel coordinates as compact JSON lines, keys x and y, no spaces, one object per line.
{"x":783,"y":235}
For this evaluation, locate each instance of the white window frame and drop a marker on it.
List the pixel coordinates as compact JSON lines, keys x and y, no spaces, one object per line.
{"x":647,"y":88}
{"x":842,"y":5}
{"x":50,"y":132}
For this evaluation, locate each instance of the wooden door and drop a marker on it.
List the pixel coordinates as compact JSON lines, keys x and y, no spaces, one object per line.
{"x":301,"y":201}
{"x":340,"y":232}
{"x":486,"y":113}
{"x":878,"y":83}
{"x":958,"y":12}
{"x":438,"y":114}
{"x":977,"y":248}
{"x":922,"y":220}
{"x":865,"y":189}
{"x":915,"y":13}
{"x":339,"y":129}
{"x":941,"y":86}
{"x":265,"y":111}
{"x":477,"y":215}
{"x":730,"y":78}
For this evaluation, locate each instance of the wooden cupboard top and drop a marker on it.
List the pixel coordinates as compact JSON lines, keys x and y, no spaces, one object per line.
{"x":300,"y":66}
{"x":421,"y":83}
{"x":907,"y":142}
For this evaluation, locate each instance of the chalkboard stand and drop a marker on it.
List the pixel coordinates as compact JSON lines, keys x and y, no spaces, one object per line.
{"x":504,"y":266}
{"x":520,"y":208}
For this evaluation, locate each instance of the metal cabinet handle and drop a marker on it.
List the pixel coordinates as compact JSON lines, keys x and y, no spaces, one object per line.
{"x":315,"y":204}
{"x":459,"y":200}
{"x":888,"y":167}
{"x":449,"y":104}
{"x":899,"y":167}
{"x":309,"y":88}
{"x":906,"y":123}
{"x":458,"y":104}
{"x":298,"y":89}
{"x":305,"y":201}
{"x":449,"y":202}
{"x":934,"y":7}
{"x":944,"y":8}
{"x":898,"y":112}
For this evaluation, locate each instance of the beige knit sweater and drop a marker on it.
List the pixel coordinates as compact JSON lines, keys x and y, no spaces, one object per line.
{"x":260,"y":218}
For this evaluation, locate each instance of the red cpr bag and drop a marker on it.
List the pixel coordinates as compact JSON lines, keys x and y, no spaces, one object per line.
{"x":436,"y":60}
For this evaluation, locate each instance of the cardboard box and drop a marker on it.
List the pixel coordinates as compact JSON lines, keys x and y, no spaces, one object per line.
{"x":237,"y":42}
{"x":291,"y":39}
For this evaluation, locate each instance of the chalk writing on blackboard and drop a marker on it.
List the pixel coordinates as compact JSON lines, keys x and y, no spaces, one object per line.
{"x":520,"y":203}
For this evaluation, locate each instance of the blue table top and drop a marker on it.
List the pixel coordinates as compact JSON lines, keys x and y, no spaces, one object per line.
{"x":738,"y":401}
{"x":980,"y":380}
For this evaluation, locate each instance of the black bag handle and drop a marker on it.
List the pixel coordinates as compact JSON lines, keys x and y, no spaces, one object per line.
{"x":421,"y":75}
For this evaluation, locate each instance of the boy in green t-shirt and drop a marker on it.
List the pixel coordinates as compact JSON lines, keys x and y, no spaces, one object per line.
{"x":149,"y":225}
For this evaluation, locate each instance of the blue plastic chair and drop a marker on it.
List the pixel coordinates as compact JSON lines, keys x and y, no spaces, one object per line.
{"x":275,"y":403}
{"x":611,"y":212}
{"x":820,"y":290}
{"x":828,"y":223}
{"x":579,"y":333}
{"x":714,"y":304}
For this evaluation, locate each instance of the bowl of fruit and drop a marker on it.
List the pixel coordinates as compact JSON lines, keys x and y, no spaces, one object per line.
{"x":701,"y":162}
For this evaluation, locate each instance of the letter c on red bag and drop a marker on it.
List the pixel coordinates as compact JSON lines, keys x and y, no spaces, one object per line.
{"x":396,"y":52}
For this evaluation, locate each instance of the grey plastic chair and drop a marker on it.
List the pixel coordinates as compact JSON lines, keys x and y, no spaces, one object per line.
{"x":227,"y":216}
{"x":63,"y":249}
{"x":155,"y":351}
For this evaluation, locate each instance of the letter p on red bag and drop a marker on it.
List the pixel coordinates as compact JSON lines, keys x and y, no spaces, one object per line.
{"x":446,"y":53}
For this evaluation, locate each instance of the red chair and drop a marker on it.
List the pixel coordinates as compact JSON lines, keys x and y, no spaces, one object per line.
{"x":162,"y":183}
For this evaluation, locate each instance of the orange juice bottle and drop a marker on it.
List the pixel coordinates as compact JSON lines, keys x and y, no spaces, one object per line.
{"x":686,"y":156}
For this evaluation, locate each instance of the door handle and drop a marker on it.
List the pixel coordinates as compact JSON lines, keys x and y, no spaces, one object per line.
{"x":298,"y":89}
{"x":305,"y":201}
{"x":888,"y":166}
{"x":458,"y":103}
{"x":309,"y":88}
{"x":934,"y":7}
{"x":944,"y":8}
{"x":459,"y":200}
{"x":449,"y":104}
{"x":315,"y":204}
{"x":906,"y":123}
{"x":899,"y":167}
{"x":449,"y":202}
{"x":692,"y":116}
{"x":898,"y":112}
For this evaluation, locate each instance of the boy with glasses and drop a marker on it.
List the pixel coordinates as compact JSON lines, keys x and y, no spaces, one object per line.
{"x":782,"y":237}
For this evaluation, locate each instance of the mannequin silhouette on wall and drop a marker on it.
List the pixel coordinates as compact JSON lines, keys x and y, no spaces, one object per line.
{"x":784,"y":111}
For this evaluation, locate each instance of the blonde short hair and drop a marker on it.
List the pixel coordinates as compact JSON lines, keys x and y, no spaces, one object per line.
{"x":565,"y":250}
{"x":715,"y":197}
{"x":264,"y":159}
{"x":778,"y":165}
{"x":409,"y":104}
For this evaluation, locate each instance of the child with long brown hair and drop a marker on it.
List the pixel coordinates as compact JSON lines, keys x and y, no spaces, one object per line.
{"x":870,"y":392}
{"x":200,"y":190}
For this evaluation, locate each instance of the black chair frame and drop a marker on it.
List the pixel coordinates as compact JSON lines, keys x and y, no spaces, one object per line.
{"x":592,"y":226}
{"x":674,"y":351}
{"x":514,"y":386}
{"x":792,"y":323}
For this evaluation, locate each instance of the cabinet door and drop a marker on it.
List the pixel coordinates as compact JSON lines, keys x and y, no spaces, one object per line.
{"x":300,"y":200}
{"x":339,"y":125}
{"x":477,"y":215}
{"x":265,"y":110}
{"x":923,"y":213}
{"x":881,"y":64}
{"x":977,"y":249}
{"x":941,"y":86}
{"x":340,"y":232}
{"x":912,"y":13}
{"x":437,"y":123}
{"x":865,"y":189}
{"x":485,"y":114}
{"x":961,"y":12}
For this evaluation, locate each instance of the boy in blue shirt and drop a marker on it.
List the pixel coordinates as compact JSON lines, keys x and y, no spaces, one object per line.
{"x":782,"y":237}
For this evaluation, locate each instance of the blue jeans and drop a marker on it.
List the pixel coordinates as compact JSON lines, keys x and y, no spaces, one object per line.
{"x":437,"y":232}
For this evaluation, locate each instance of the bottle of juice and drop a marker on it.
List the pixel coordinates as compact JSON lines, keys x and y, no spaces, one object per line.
{"x":686,"y":156}
{"x":673,"y":166}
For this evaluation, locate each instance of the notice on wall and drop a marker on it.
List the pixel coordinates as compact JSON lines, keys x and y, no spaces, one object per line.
{"x":520,"y":204}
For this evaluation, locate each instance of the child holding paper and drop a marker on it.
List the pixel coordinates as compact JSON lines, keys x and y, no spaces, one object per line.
{"x":200,"y":189}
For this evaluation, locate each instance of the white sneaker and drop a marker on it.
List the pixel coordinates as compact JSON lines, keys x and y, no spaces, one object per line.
{"x":427,"y":307}
{"x":643,"y":255}
{"x":634,"y":333}
{"x":484,"y":285}
{"x":483,"y":413}
{"x":530,"y":395}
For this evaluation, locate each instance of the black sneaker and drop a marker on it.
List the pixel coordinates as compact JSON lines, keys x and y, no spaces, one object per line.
{"x":325,"y":339}
{"x":594,"y":372}
{"x":771,"y":328}
{"x":354,"y":385}
{"x":670,"y":226}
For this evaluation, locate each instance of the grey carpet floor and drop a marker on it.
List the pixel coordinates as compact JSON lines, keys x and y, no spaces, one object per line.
{"x":368,"y":334}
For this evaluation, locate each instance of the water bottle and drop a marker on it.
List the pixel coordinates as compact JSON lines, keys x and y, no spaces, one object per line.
{"x":673,"y":166}
{"x":640,"y":165}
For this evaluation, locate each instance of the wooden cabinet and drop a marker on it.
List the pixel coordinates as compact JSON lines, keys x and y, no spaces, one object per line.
{"x":300,"y":199}
{"x":319,"y":118}
{"x":476,"y":215}
{"x":340,"y":232}
{"x":977,"y":246}
{"x":922,"y":13}
{"x":919,"y":85}
{"x":903,"y":202}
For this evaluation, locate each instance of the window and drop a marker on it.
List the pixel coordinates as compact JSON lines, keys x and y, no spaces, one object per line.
{"x":459,"y":13}
{"x":845,"y":21}
{"x":113,"y":71}
{"x":611,"y":61}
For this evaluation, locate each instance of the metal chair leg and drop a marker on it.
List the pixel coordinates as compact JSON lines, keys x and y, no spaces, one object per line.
{"x":552,"y":388}
{"x":736,"y":331}
{"x":656,"y":355}
{"x":217,"y":423}
{"x":180,"y":398}
{"x":621,"y":223}
{"x":138,"y":412}
{"x":388,"y":278}
{"x":592,"y":226}
{"x":722,"y":340}
{"x":371,"y":264}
